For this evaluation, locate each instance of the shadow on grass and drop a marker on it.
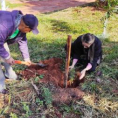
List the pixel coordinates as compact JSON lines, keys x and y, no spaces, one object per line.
{"x":61,"y":26}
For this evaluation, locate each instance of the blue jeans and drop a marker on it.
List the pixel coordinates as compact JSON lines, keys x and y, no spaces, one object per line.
{"x":9,"y":72}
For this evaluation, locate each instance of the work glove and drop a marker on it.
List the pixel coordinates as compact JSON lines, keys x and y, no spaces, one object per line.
{"x":28,"y":61}
{"x":10,"y":61}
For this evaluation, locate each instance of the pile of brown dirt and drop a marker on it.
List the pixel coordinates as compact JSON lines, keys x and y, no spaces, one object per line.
{"x":54,"y":75}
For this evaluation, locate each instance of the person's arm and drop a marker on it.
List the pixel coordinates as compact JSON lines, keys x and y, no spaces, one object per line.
{"x":73,"y":63}
{"x":83,"y":72}
{"x":88,"y":67}
{"x":3,"y":35}
{"x":24,"y":49}
{"x":3,"y":53}
{"x":4,"y":32}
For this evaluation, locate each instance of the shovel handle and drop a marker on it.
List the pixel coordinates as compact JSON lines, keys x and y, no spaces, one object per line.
{"x":27,"y":64}
{"x":21,"y":62}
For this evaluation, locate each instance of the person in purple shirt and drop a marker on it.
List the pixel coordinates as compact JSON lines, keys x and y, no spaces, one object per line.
{"x":13,"y":28}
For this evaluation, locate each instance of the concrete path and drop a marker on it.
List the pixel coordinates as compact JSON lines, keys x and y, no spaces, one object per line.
{"x":44,"y":6}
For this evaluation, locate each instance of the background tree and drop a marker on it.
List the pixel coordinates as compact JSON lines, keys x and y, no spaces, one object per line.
{"x":110,"y":6}
{"x":3,"y":5}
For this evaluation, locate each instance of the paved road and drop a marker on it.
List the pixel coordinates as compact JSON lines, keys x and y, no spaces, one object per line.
{"x":44,"y":6}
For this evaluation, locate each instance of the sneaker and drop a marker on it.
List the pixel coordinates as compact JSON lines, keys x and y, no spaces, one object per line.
{"x":11,"y":77}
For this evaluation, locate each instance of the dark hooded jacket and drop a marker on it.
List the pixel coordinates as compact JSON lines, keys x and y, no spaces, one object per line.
{"x":93,"y":53}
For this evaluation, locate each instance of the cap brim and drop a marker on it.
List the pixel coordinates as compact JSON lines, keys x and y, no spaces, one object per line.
{"x":35,"y":31}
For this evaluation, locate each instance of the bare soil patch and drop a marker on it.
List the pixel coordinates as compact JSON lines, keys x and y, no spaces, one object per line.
{"x":52,"y":74}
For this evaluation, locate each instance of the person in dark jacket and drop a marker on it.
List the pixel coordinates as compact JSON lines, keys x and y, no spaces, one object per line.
{"x":86,"y":50}
{"x":13,"y":28}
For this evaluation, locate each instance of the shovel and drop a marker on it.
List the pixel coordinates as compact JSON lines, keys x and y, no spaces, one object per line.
{"x":35,"y":64}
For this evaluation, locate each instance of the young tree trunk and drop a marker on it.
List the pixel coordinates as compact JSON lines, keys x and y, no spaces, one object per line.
{"x":105,"y":29}
{"x":3,"y":6}
{"x":67,"y":60}
{"x":102,"y":3}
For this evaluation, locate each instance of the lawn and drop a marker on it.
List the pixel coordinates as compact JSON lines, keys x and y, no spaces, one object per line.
{"x":101,"y":98}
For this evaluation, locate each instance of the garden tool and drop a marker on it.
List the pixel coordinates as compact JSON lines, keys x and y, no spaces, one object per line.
{"x":26,"y":63}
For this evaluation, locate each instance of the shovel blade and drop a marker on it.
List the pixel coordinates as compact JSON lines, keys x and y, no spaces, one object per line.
{"x":41,"y":65}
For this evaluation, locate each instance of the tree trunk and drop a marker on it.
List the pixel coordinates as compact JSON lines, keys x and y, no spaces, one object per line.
{"x":67,"y":60}
{"x":3,"y":6}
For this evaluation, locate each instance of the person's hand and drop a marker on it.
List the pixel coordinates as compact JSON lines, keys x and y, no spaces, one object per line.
{"x":71,"y":67}
{"x":28,"y":62}
{"x":10,"y":61}
{"x":83,"y":72}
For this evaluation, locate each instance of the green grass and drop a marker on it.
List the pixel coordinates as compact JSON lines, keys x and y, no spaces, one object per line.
{"x":54,"y":28}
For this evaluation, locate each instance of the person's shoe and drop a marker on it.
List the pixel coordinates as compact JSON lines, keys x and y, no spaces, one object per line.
{"x":13,"y":77}
{"x":19,"y":77}
{"x":9,"y":72}
{"x":10,"y":77}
